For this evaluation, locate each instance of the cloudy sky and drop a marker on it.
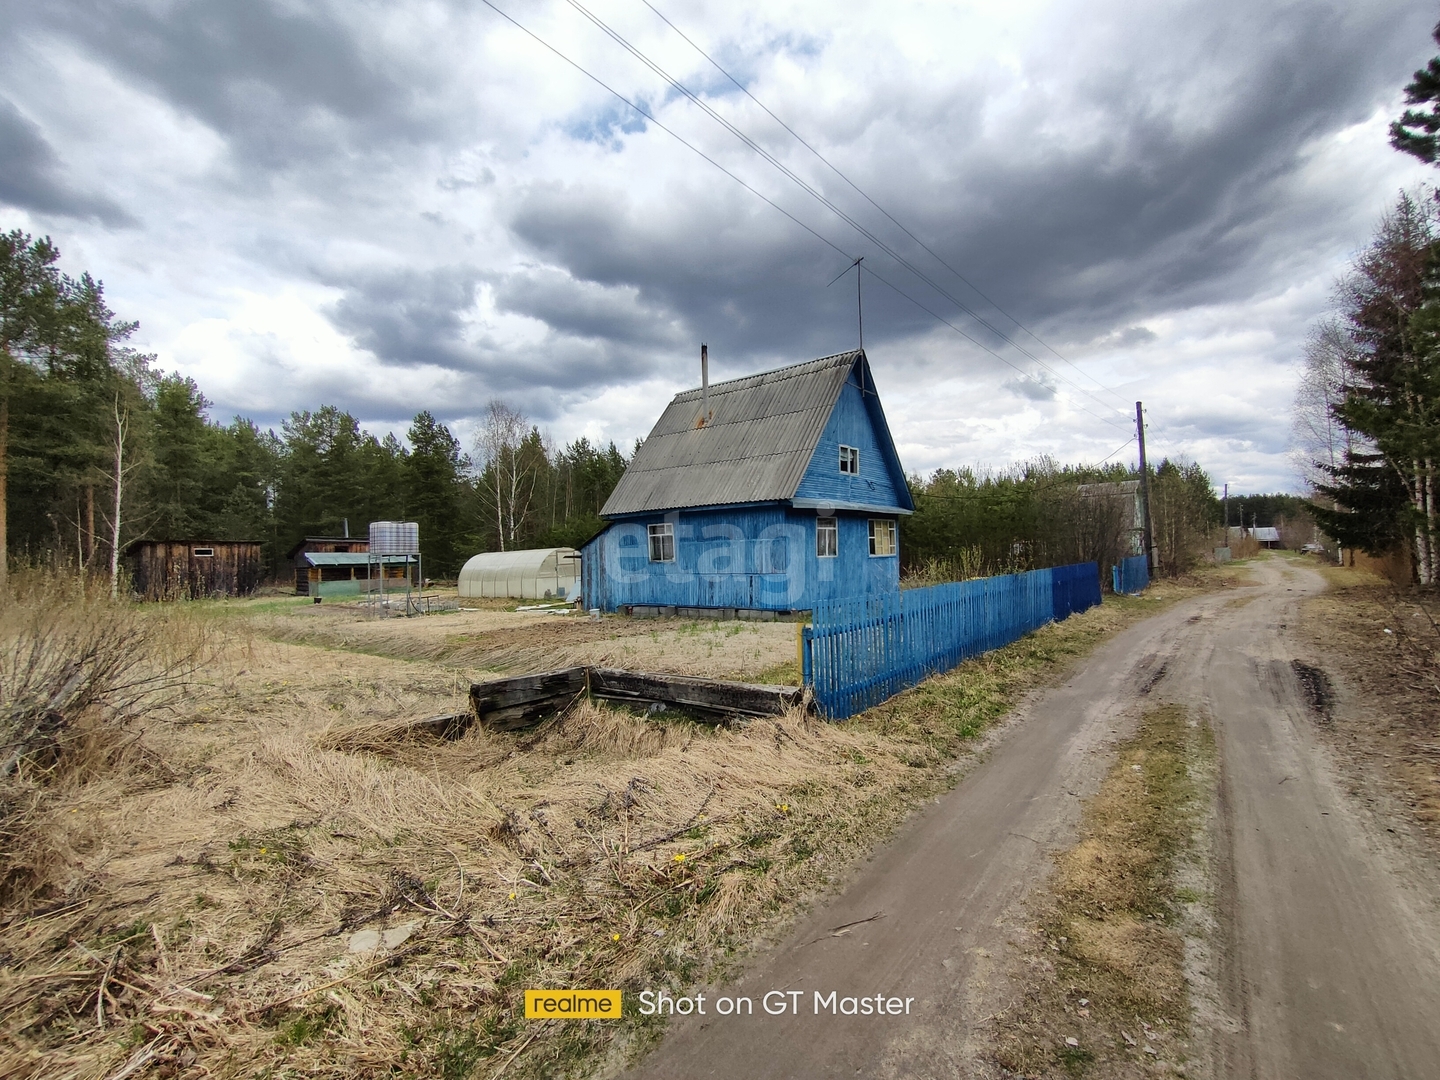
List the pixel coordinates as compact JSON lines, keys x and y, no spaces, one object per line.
{"x":403,"y":206}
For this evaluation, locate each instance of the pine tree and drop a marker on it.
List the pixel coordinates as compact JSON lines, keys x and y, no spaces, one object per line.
{"x":1418,"y":132}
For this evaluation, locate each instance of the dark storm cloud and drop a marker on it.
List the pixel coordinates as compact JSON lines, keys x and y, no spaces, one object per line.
{"x":1174,"y":200}
{"x":31,"y":177}
{"x":1042,"y":388}
{"x":411,"y":317}
{"x":283,"y":83}
{"x":582,"y":309}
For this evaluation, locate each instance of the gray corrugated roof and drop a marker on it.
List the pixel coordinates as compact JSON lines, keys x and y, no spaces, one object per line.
{"x":756,"y":447}
{"x":348,"y":558}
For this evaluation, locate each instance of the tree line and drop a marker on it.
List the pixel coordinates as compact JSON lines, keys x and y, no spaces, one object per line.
{"x":98,"y":448}
{"x":1044,"y":514}
{"x":1367,"y":410}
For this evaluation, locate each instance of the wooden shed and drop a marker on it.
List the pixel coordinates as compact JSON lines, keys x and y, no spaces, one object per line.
{"x":305,"y":569}
{"x":193,"y":569}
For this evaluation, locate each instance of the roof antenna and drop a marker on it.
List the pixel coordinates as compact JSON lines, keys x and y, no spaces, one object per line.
{"x":859,"y":307}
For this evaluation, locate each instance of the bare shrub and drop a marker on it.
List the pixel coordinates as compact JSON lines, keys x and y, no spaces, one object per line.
{"x":75,"y":669}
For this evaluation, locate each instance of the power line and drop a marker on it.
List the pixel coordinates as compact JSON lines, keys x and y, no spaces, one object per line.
{"x":823,"y":239}
{"x":810,"y":190}
{"x":861,"y":192}
{"x":1112,"y":453}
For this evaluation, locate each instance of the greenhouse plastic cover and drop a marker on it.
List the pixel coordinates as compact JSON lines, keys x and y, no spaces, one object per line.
{"x":531,"y":574}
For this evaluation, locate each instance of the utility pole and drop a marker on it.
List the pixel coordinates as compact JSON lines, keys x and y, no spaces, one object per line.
{"x":1145,"y":488}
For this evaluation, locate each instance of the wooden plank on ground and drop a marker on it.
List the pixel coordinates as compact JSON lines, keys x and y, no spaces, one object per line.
{"x":508,"y":704}
{"x":709,"y":696}
{"x":520,"y":702}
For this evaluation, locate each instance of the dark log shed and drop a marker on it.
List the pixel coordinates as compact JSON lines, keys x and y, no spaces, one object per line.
{"x":193,"y":569}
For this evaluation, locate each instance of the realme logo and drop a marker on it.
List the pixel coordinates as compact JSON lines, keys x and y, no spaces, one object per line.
{"x":572,"y":1004}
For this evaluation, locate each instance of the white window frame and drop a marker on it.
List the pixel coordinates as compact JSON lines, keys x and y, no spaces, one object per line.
{"x":827,"y":526}
{"x":664,"y":533}
{"x":886,"y":535}
{"x":849,"y":460}
{"x":203,"y":552}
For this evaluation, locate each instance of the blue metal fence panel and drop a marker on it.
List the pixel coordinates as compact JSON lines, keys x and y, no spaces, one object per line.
{"x":1131,"y":575}
{"x":861,"y":651}
{"x":1077,"y":587}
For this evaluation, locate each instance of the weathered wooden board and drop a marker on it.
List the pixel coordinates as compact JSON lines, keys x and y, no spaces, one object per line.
{"x":709,"y":696}
{"x":511,"y":704}
{"x":508,"y":704}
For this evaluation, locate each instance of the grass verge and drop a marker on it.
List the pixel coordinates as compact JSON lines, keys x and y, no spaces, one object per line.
{"x":1104,"y":988}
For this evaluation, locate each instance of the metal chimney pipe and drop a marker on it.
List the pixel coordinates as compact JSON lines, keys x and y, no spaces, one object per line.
{"x":704,"y":384}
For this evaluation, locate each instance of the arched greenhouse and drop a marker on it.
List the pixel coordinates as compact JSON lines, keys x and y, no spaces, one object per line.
{"x":534,"y":574}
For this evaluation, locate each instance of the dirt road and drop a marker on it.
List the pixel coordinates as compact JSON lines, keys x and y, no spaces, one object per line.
{"x":1330,"y":942}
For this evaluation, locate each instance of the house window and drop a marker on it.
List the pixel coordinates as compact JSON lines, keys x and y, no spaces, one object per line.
{"x":203,"y":552}
{"x":882,"y":536}
{"x":850,"y":460}
{"x":827,"y":538}
{"x":662,"y":542}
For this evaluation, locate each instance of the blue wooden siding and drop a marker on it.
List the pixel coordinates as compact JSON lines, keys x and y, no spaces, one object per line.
{"x":759,"y":557}
{"x":852,"y":424}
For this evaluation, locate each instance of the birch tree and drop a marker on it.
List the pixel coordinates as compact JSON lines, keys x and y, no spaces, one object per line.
{"x":508,"y":477}
{"x":1318,"y":440}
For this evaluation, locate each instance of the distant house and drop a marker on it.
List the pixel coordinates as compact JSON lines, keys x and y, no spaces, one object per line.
{"x":193,"y":569}
{"x":1126,"y":495}
{"x":1266,"y":536}
{"x":758,"y":495}
{"x":343,"y":566}
{"x":326,"y":545}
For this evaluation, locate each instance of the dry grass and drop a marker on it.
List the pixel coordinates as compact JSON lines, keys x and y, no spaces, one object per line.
{"x":507,"y":641}
{"x":1106,"y":969}
{"x":1389,"y":735}
{"x":199,"y":912}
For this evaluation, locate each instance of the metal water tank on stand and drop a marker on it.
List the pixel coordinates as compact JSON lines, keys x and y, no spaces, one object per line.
{"x":392,"y":539}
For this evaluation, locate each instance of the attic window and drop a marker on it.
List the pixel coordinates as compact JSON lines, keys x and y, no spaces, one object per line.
{"x":202,"y":552}
{"x":662,"y":542}
{"x":850,"y":460}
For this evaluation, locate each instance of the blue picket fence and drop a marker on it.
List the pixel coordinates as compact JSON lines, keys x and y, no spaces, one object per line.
{"x":1131,"y":575}
{"x":1075,"y":587}
{"x":861,"y":651}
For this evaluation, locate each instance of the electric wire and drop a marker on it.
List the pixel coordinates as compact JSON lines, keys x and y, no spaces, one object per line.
{"x":814,"y":193}
{"x":862,"y":193}
{"x":1117,"y":450}
{"x":819,"y":236}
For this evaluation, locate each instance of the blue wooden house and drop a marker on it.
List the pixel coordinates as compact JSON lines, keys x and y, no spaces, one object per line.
{"x":759,"y":495}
